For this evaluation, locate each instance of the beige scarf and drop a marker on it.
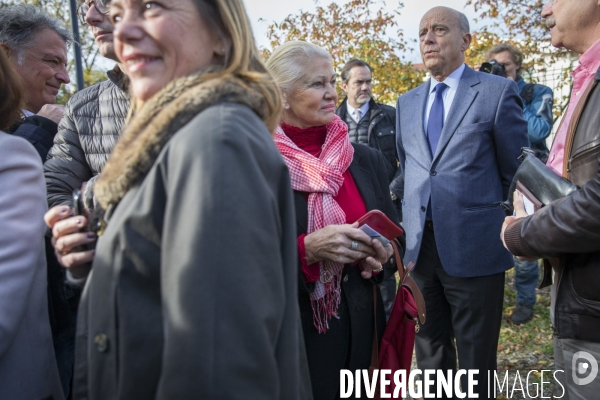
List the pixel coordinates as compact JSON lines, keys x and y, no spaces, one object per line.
{"x":162,"y":117}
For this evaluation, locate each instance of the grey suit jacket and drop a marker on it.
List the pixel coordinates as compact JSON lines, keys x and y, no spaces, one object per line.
{"x":474,"y":164}
{"x":27,"y":364}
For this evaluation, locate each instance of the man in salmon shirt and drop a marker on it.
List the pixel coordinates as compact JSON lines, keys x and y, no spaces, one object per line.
{"x":567,"y":232}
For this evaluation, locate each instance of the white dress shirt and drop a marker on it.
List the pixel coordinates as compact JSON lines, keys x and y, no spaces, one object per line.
{"x":448,"y":96}
{"x":363,"y":110}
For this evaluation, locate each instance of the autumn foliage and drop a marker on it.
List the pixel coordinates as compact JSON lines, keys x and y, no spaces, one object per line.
{"x":358,"y":29}
{"x":363,"y":29}
{"x":522,"y":23}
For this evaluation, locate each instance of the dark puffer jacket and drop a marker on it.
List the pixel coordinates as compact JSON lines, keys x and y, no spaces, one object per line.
{"x":87,"y":133}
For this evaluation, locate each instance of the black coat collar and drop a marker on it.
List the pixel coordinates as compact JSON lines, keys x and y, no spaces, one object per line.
{"x":342,"y":110}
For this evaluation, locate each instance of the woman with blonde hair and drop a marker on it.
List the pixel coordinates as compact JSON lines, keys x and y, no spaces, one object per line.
{"x":335,"y":183}
{"x":192,"y":291}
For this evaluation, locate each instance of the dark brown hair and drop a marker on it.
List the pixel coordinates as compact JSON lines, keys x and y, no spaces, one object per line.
{"x":355,"y":62}
{"x":12,"y":98}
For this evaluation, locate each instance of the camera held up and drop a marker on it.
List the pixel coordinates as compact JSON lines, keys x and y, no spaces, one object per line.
{"x":493,"y":67}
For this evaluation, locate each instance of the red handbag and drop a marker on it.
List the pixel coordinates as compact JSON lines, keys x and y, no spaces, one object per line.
{"x":398,"y":342}
{"x":396,"y":349}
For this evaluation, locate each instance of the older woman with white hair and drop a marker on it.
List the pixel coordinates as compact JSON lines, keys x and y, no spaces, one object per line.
{"x":335,"y":182}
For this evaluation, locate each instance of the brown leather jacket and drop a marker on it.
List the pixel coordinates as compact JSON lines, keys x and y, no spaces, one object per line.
{"x":567,"y":232}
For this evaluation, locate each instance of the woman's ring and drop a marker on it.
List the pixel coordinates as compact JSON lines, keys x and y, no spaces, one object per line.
{"x":354,"y":245}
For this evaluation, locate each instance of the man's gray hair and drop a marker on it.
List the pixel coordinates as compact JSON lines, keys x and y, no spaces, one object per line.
{"x":20,"y":23}
{"x":464,"y":24}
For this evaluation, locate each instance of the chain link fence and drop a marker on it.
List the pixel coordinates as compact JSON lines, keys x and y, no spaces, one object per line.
{"x":556,"y":74}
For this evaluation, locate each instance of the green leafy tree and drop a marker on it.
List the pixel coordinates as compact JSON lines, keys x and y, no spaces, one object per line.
{"x":358,"y":29}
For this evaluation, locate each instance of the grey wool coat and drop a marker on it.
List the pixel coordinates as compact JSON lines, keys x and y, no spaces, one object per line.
{"x":28,"y":368}
{"x":193,"y":291}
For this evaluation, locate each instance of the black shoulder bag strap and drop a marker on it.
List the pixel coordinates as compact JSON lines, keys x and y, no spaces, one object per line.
{"x":527,"y":93}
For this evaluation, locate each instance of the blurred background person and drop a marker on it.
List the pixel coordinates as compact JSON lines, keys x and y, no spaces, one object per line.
{"x":36,"y":44}
{"x":537,"y":99}
{"x":195,"y":193}
{"x":27,"y":363}
{"x":537,"y":110}
{"x":335,"y":183}
{"x":566,"y":232}
{"x":87,"y":133}
{"x":369,"y":122}
{"x":373,"y":124}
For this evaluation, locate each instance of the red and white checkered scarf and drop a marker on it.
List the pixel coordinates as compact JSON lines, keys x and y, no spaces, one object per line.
{"x":322,"y":178}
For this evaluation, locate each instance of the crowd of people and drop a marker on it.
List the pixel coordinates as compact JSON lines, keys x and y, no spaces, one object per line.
{"x":190,"y":230}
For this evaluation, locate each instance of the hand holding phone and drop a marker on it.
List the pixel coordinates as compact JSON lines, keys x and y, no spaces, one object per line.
{"x":78,"y":206}
{"x":373,"y":234}
{"x":68,"y":240}
{"x":378,"y":226}
{"x":80,"y":210}
{"x":380,"y":223}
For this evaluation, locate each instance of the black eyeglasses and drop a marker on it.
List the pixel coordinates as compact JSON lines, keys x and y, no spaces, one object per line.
{"x":101,"y":7}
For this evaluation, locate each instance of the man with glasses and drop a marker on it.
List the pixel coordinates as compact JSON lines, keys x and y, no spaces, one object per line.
{"x":92,"y":124}
{"x":100,"y":28}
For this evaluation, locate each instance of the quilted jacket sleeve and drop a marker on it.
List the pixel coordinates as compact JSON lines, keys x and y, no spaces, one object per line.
{"x":66,"y":168}
{"x":87,"y":133}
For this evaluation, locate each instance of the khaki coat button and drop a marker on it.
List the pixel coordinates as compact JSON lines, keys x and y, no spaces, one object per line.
{"x":346,"y":278}
{"x":101,"y":341}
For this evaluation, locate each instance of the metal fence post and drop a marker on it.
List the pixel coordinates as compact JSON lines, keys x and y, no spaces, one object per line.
{"x":76,"y":44}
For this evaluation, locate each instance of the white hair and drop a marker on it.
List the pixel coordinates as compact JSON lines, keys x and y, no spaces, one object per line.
{"x":289,"y":61}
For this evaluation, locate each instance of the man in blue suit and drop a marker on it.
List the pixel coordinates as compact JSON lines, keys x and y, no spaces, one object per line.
{"x":458,"y":138}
